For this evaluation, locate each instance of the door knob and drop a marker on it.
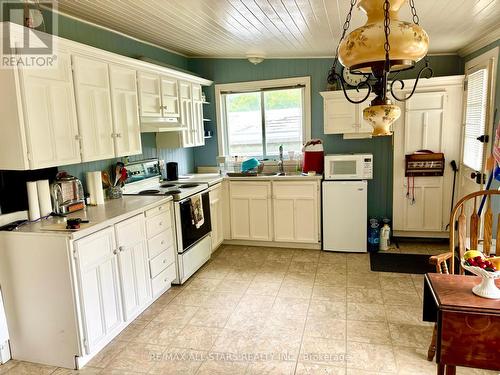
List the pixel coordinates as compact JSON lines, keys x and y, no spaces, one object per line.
{"x":479,"y":177}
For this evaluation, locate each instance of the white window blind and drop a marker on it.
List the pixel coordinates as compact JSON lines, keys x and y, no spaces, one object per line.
{"x":475,"y":120}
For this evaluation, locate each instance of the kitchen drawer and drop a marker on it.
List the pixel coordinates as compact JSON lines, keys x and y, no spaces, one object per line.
{"x":162,"y":261}
{"x":163,"y":281}
{"x":158,"y":224}
{"x":158,"y":210}
{"x":160,"y":242}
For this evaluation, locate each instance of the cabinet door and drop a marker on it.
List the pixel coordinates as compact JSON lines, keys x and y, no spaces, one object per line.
{"x":340,"y":116}
{"x":296,"y":211}
{"x":149,"y":95}
{"x":198,"y":124}
{"x":186,"y":95}
{"x":133,"y":265}
{"x":425,"y":213}
{"x":170,"y":97}
{"x":99,"y":288}
{"x":127,"y":129}
{"x":216,"y":217}
{"x":251,"y":211}
{"x":50,"y":115}
{"x":93,"y":103}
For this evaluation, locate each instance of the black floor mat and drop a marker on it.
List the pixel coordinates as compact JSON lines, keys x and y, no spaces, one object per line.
{"x":401,"y":263}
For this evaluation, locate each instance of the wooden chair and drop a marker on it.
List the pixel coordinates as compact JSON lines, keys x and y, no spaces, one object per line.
{"x":445,"y":263}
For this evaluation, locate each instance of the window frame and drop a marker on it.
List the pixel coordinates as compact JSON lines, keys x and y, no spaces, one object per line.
{"x":252,"y":86}
{"x":488,"y":60}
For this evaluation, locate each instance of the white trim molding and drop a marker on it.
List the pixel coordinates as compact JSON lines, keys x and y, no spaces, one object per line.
{"x":487,"y":39}
{"x":258,"y":85}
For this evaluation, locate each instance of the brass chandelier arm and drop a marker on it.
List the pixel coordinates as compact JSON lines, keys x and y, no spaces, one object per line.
{"x":402,"y":84}
{"x":360,"y":85}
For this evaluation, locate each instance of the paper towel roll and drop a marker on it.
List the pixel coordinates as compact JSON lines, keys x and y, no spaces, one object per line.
{"x":44,"y":201}
{"x":90,"y":187}
{"x":99,"y":192}
{"x":34,"y":208}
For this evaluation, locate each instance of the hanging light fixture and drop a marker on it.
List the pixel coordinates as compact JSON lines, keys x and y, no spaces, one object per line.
{"x":369,"y":54}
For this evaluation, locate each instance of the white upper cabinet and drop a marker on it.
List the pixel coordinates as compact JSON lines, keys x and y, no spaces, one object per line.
{"x":186,"y":96}
{"x":169,"y":97}
{"x":127,"y":128}
{"x":50,"y":115}
{"x":93,"y":103}
{"x":150,"y":94}
{"x":344,"y":117}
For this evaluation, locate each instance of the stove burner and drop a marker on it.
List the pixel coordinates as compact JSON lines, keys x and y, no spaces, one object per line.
{"x":167,"y":185}
{"x":172,"y":192}
{"x":188,"y":186}
{"x":149,"y":192}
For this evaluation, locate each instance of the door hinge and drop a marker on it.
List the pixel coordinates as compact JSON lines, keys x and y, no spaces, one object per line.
{"x":75,"y":254}
{"x":465,"y":85}
{"x":485,"y":138}
{"x":28,"y":155}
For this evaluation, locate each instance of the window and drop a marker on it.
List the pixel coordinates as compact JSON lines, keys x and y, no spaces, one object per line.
{"x":475,"y":118}
{"x":255,"y":118}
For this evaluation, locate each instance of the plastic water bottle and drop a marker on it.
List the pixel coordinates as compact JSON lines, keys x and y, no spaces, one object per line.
{"x":373,"y":235}
{"x":385,"y":234}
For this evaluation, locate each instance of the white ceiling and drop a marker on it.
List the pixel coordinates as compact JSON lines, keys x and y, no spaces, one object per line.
{"x":273,"y":28}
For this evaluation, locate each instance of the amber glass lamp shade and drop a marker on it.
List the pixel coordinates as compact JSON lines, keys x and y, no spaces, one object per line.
{"x":363,"y":48}
{"x":381,"y":117}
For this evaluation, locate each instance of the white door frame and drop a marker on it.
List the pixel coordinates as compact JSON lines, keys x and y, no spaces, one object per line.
{"x":488,"y":60}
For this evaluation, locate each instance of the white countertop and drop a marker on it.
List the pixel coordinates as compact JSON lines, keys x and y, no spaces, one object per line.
{"x":208,"y":178}
{"x":288,"y":177}
{"x":111,"y":212}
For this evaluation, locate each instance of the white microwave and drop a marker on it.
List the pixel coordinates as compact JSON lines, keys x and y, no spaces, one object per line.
{"x":349,"y":167}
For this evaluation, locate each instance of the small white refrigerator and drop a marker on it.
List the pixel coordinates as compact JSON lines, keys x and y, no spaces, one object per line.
{"x":345,"y":216}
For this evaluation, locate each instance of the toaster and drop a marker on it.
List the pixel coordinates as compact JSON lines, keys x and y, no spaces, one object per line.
{"x":67,"y":194}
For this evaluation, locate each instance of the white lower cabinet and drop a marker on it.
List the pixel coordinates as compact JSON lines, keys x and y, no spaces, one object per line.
{"x":216,"y":216}
{"x":296,"y":211}
{"x":251,"y":217}
{"x":279,"y":211}
{"x":99,"y":287}
{"x":133,"y":266}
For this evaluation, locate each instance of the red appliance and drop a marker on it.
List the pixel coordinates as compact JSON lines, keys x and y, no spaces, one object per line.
{"x":313,"y":157}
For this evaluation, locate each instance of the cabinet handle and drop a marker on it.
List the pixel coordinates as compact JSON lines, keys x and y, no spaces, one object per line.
{"x":118,"y":135}
{"x":121,"y":248}
{"x":162,"y":242}
{"x":164,"y":107}
{"x":160,"y":223}
{"x":164,"y":261}
{"x":78,"y":137}
{"x":115,"y":251}
{"x":160,"y":208}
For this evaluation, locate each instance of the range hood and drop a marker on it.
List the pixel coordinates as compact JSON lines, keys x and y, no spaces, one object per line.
{"x":161,"y":124}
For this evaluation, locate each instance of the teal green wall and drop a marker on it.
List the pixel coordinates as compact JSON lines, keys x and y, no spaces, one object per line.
{"x":239,"y":70}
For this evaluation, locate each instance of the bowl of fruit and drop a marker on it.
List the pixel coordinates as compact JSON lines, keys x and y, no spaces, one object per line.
{"x":488,"y":268}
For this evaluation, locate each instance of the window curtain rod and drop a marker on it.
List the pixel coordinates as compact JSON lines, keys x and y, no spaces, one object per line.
{"x":263,"y":89}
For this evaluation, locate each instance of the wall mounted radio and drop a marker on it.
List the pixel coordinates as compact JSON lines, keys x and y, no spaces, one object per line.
{"x":424,"y":163}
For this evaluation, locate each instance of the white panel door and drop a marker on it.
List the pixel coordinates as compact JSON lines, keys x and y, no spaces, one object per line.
{"x":251,"y":215}
{"x":170,"y":97}
{"x":423,"y":128}
{"x":133,"y":265}
{"x":50,"y":115}
{"x":93,"y":103}
{"x":99,"y":287}
{"x":216,"y":215}
{"x":127,"y":129}
{"x":149,"y":95}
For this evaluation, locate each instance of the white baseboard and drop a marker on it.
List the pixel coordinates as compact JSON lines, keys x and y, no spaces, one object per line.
{"x":293,"y":245}
{"x":4,"y":352}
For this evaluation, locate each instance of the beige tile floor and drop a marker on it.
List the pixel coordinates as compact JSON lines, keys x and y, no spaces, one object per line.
{"x":274,"y":311}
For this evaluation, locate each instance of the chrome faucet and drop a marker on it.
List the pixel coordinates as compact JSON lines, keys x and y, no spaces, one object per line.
{"x":281,"y":169}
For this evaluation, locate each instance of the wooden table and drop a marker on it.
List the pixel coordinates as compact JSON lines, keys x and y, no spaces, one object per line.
{"x":468,"y":326}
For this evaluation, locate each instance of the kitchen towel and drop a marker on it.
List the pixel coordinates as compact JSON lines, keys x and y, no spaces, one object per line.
{"x":33,"y":205}
{"x":44,"y":201}
{"x":197,"y":217}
